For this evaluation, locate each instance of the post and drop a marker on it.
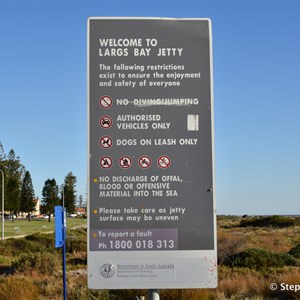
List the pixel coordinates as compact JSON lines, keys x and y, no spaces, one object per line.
{"x":60,"y":240}
{"x":64,"y":216}
{"x":153,"y":294}
{"x":2,"y":204}
{"x":64,"y":256}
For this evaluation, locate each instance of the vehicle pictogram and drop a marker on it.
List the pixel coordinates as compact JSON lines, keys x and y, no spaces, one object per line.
{"x":105,"y":162}
{"x":164,"y":161}
{"x":105,"y":101}
{"x":105,"y":122}
{"x":145,"y":162}
{"x":106,"y":142}
{"x":125,"y":162}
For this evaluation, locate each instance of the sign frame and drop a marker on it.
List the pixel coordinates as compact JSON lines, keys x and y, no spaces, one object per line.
{"x":182,"y":268}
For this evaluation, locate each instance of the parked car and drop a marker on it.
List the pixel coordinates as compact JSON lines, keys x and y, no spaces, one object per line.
{"x":10,"y":217}
{"x":72,"y":215}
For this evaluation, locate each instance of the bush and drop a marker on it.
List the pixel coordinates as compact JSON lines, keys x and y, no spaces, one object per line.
{"x":295,"y":252}
{"x":260,"y":258}
{"x":17,"y":246}
{"x":77,"y":244}
{"x":43,"y":262}
{"x":272,"y":221}
{"x":228,"y":245}
{"x":46,"y":240}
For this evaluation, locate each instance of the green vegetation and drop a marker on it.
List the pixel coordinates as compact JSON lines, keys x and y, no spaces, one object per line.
{"x":250,"y":258}
{"x":271,"y":221}
{"x":260,"y":258}
{"x":22,"y":227}
{"x":19,"y":191}
{"x":295,"y":251}
{"x":27,"y":203}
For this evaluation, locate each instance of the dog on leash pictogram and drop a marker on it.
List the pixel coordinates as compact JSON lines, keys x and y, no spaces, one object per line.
{"x":106,"y":142}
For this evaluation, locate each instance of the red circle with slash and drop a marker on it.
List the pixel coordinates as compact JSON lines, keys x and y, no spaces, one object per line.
{"x":105,"y":101}
{"x":145,"y":162}
{"x":105,"y":162}
{"x":125,"y":162}
{"x":164,"y":161}
{"x":106,"y":142}
{"x":105,"y":122}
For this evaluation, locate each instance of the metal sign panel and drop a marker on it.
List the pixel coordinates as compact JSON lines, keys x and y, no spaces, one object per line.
{"x":59,"y":226}
{"x":151,"y":220}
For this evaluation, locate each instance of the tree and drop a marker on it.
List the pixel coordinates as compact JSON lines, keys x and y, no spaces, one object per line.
{"x":14,"y":174}
{"x":70,"y":192}
{"x":12,"y":191}
{"x":27,"y":203}
{"x":13,"y":165}
{"x":50,"y":197}
{"x":80,"y":202}
{"x":2,"y":154}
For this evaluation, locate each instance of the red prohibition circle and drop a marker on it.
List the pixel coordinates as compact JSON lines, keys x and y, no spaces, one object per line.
{"x":105,"y":142}
{"x":105,"y":101}
{"x":145,"y":162}
{"x":105,"y":162}
{"x":164,"y":161}
{"x":125,"y":162}
{"x":105,"y":122}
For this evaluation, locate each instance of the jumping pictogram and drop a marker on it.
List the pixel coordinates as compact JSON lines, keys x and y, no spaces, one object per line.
{"x":106,"y":142}
{"x":125,"y":162}
{"x":105,"y":122}
{"x":105,"y":162}
{"x":105,"y":101}
{"x":164,"y":161}
{"x":144,"y":162}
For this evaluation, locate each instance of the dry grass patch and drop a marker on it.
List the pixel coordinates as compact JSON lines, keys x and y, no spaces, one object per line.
{"x":18,"y":288}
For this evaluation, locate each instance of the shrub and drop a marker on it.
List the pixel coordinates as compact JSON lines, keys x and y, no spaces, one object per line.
{"x":229,"y":244}
{"x":272,"y":221}
{"x":295,"y":252}
{"x":16,"y":246}
{"x":46,"y":240}
{"x":77,"y":244}
{"x":77,"y":232}
{"x":43,"y":262}
{"x":260,"y":258}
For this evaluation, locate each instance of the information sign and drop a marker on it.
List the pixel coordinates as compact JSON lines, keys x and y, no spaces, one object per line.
{"x":59,"y":226}
{"x":151,"y":214}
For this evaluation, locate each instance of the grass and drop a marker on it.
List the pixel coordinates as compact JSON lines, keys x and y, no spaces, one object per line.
{"x":24,"y":227}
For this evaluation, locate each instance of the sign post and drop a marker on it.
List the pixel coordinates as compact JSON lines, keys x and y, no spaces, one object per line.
{"x":60,"y":240}
{"x":151,"y":212}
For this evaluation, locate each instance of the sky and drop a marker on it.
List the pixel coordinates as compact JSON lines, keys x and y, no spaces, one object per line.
{"x":256,"y":63}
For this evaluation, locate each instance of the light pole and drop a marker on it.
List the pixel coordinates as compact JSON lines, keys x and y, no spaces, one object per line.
{"x":2,"y":204}
{"x":63,"y":195}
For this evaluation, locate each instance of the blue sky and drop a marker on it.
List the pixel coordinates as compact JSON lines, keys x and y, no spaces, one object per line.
{"x":256,"y":50}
